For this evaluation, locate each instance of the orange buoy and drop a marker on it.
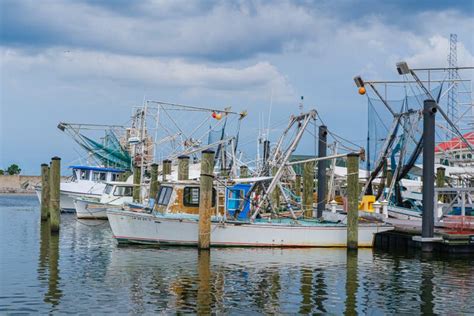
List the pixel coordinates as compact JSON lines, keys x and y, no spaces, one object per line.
{"x":361,"y":90}
{"x":218,"y":116}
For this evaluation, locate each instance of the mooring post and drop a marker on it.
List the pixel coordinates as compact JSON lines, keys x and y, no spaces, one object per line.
{"x":183,"y":168}
{"x":427,"y":224}
{"x":54,"y":192}
{"x":205,"y":199}
{"x":298,"y":185}
{"x":352,"y":200}
{"x":136,"y":183}
{"x":389,"y":177}
{"x":322,"y":152}
{"x":153,"y":181}
{"x":275,"y":198}
{"x":440,"y":180}
{"x":166,"y":169}
{"x":308,"y":188}
{"x":44,"y":192}
{"x":244,"y":172}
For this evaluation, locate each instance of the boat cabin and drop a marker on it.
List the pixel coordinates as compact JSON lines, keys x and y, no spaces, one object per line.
{"x":117,"y":191}
{"x":95,"y":174}
{"x":182,"y":197}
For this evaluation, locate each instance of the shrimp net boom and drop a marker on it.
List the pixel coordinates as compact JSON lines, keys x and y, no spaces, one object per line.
{"x":394,"y":142}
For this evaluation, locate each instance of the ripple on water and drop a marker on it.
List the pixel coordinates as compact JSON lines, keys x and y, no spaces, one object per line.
{"x":83,"y":271}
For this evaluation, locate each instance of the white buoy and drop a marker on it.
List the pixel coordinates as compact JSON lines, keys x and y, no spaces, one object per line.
{"x":384,"y":208}
{"x":377,"y":206}
{"x":333,"y":206}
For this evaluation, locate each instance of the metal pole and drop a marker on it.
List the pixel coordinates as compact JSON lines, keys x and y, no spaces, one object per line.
{"x":429,"y":111}
{"x":322,"y":152}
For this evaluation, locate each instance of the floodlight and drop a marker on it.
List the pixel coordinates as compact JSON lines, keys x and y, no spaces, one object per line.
{"x":358,"y":81}
{"x":402,"y":68}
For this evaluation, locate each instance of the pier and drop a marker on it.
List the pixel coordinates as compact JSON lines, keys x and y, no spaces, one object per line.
{"x":407,"y":235}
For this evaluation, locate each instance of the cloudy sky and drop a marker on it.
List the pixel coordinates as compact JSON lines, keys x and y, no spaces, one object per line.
{"x":91,"y":61}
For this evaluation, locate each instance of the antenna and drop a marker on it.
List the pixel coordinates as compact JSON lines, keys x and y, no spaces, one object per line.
{"x":452,"y":105}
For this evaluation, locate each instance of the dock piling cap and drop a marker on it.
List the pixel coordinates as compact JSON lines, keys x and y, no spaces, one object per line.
{"x":208,"y":151}
{"x":55,"y":158}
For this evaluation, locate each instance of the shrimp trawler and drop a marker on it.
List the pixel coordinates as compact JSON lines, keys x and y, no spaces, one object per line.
{"x":85,"y":182}
{"x":242,"y":214}
{"x":115,"y":195}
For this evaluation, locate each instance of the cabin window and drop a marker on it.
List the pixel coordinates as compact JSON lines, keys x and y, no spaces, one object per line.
{"x":469,"y":156}
{"x":108,"y":189}
{"x":115,"y":177}
{"x":123,"y":191}
{"x":191,"y":196}
{"x":85,"y":174}
{"x":99,"y":176}
{"x":164,"y":195}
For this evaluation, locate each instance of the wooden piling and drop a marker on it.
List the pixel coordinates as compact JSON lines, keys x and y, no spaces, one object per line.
{"x":205,"y":199}
{"x":136,"y":183}
{"x":308,"y":188}
{"x":44,"y":192}
{"x":298,"y":185}
{"x":54,"y":193}
{"x":275,"y":197}
{"x":183,"y":168}
{"x":153,"y":181}
{"x":389,"y":177}
{"x":440,"y":181}
{"x":352,"y":200}
{"x":166,"y":169}
{"x":244,"y":172}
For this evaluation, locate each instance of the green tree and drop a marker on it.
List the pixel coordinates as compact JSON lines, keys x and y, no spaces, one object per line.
{"x":2,"y":172}
{"x":13,"y":169}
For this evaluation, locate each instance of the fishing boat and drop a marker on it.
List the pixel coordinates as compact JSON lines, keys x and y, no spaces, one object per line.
{"x":175,"y":221}
{"x":115,"y":195}
{"x":86,"y":182}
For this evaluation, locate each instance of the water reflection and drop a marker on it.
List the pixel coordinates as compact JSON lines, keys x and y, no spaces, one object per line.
{"x":426,"y":289}
{"x":88,"y":274}
{"x":49,"y":263}
{"x":204,"y":299}
{"x":305,"y":288}
{"x":351,"y":283}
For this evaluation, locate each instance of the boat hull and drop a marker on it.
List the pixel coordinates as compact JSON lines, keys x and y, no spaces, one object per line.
{"x":87,"y":209}
{"x":131,"y":227}
{"x":66,"y":199}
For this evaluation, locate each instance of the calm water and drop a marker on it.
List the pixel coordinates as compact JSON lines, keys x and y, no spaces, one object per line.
{"x":83,"y":271}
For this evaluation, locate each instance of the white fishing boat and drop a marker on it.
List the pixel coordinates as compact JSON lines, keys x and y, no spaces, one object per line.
{"x":115,"y":194}
{"x":180,"y":229}
{"x":86,"y":182}
{"x":174,"y":221}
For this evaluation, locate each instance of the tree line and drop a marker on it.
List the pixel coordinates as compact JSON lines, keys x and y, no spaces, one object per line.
{"x":11,"y":170}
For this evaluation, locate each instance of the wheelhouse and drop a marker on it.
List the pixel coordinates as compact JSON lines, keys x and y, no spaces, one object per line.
{"x":95,"y":174}
{"x":181,"y":198}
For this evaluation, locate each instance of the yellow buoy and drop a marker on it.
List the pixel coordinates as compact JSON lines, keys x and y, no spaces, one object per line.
{"x":361,"y":90}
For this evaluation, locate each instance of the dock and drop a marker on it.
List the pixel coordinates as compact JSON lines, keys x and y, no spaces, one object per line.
{"x":407,"y":234}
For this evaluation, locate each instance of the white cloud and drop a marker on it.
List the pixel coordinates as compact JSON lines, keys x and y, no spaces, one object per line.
{"x":82,"y":65}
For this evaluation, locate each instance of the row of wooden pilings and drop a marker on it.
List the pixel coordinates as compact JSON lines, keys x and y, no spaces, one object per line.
{"x":50,"y":194}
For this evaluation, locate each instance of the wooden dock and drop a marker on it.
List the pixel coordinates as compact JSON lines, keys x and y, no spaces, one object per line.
{"x":407,"y":234}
